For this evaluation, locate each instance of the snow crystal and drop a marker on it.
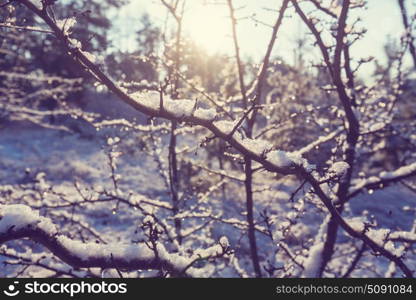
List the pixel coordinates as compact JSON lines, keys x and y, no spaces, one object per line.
{"x":79,"y":249}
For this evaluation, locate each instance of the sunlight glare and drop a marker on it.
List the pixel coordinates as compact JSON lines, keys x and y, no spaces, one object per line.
{"x":208,"y":26}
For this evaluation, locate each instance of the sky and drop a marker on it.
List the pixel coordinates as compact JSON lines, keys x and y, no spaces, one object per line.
{"x":209,"y":26}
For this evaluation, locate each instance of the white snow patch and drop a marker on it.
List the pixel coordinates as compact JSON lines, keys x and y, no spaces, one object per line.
{"x":339,"y":168}
{"x":205,"y":114}
{"x":224,"y":242}
{"x":376,"y":127}
{"x":257,"y":146}
{"x":314,"y":260}
{"x":91,"y":57}
{"x":66,"y":24}
{"x":356,"y":223}
{"x":285,"y":159}
{"x":403,"y":171}
{"x":18,"y":216}
{"x":225,"y":126}
{"x":180,"y":107}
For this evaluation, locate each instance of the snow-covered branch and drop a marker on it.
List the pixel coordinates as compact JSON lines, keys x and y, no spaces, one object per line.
{"x":20,"y":221}
{"x":381,"y":181}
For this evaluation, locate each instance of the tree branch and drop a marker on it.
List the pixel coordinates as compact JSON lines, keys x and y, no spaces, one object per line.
{"x":296,"y":169}
{"x":20,"y":221}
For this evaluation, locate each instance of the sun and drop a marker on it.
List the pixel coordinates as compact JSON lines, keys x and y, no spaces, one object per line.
{"x":208,"y":26}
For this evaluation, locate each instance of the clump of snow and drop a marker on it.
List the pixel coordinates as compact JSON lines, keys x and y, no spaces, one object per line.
{"x":389,"y":246}
{"x":377,"y":126}
{"x":148,"y":219}
{"x":356,"y":223}
{"x":66,"y":24}
{"x":75,"y":43}
{"x":399,"y":172}
{"x":86,"y":251}
{"x":403,"y":171}
{"x":18,"y":216}
{"x":378,"y":235}
{"x":213,"y":251}
{"x":91,"y":57}
{"x":225,"y":126}
{"x":403,"y":235}
{"x":224,"y":242}
{"x":179,"y":108}
{"x":314,"y":260}
{"x":280,"y":158}
{"x":149,"y":99}
{"x":41,"y":183}
{"x":339,"y":168}
{"x":38,"y":3}
{"x":285,"y":159}
{"x":391,"y":270}
{"x":206,"y":114}
{"x":180,"y":262}
{"x":257,"y":146}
